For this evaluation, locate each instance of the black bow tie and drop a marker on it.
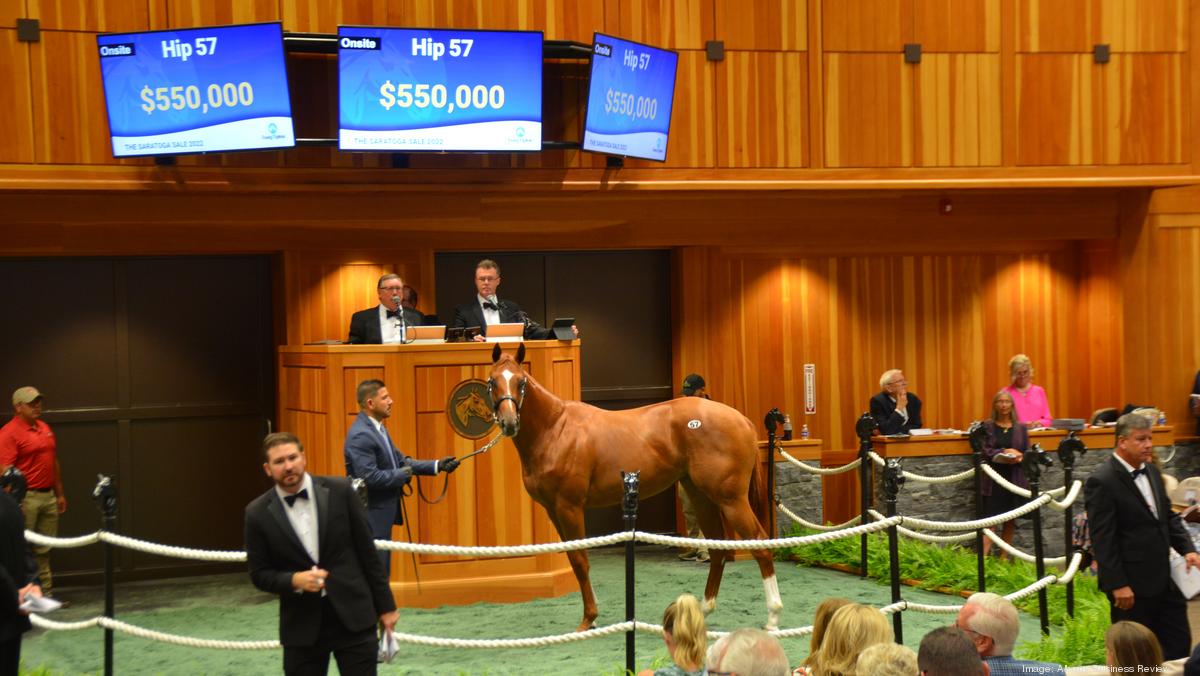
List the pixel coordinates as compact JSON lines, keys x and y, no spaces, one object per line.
{"x":488,"y":305}
{"x":393,"y":313}
{"x":291,"y":499}
{"x":1137,"y":472}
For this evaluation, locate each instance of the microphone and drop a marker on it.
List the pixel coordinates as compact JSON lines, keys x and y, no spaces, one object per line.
{"x":400,"y":311}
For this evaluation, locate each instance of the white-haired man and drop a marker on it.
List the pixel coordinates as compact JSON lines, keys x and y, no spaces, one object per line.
{"x":748,"y":652}
{"x":992,"y":624}
{"x":895,"y":409}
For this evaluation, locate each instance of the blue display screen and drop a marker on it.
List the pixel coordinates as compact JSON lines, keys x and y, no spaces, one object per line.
{"x":199,"y":90}
{"x":413,"y":90}
{"x":629,"y":99}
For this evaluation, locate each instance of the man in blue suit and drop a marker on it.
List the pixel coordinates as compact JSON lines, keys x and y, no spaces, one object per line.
{"x":372,"y":457}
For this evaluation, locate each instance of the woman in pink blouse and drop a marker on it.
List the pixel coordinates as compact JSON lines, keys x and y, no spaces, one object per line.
{"x":1030,"y":400}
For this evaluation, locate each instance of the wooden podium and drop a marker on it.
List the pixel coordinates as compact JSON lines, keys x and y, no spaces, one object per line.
{"x":485,"y":504}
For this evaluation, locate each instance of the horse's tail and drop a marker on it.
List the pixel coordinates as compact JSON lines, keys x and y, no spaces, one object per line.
{"x":758,"y":484}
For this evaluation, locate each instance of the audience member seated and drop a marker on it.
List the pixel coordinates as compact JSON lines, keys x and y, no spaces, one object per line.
{"x":821,"y":617}
{"x":851,"y":629}
{"x":686,"y":636}
{"x":1132,"y":648}
{"x":992,"y":623}
{"x":895,"y":409}
{"x":887,"y":659}
{"x":948,"y":651}
{"x":1006,"y":442}
{"x":1033,"y":408}
{"x":748,"y":652}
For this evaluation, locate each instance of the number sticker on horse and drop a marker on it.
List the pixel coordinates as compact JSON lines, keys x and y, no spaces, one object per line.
{"x":693,"y":424}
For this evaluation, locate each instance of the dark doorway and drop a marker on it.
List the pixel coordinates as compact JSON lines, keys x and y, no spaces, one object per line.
{"x":157,"y":371}
{"x":621,"y":301}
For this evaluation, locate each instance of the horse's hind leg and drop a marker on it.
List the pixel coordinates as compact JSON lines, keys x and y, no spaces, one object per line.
{"x":710,"y":522}
{"x":568,"y":520}
{"x":739,"y":517}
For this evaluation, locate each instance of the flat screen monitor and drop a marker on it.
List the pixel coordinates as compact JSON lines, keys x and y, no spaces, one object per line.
{"x":199,"y":90}
{"x":412,"y":90}
{"x":630,"y":93}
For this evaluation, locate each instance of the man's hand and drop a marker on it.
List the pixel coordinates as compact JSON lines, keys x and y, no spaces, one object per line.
{"x":1012,"y":457}
{"x":480,"y":338}
{"x":62,"y":503}
{"x":1193,"y":560}
{"x":575,"y":330}
{"x":902,"y":400}
{"x":388,"y":620}
{"x":447,"y":464}
{"x":1123,"y":597}
{"x":29,"y":590}
{"x":309,"y":580}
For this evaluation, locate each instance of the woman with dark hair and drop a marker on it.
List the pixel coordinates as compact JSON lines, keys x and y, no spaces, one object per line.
{"x":1006,"y":442}
{"x":1132,"y":648}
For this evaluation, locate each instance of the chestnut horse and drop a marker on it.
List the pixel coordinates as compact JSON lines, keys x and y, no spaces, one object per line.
{"x":572,"y":455}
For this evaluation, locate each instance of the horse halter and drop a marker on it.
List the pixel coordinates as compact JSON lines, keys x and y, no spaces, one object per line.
{"x":517,"y":403}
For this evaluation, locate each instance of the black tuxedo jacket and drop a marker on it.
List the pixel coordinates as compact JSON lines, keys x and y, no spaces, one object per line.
{"x":364,"y":325}
{"x":883,"y":409}
{"x":356,"y":587}
{"x":1129,"y":542}
{"x":17,"y":568}
{"x":471,"y":314}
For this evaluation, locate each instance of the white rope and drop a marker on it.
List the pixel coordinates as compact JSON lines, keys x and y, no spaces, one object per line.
{"x":168,"y":550}
{"x":961,"y":537}
{"x":774,"y":543}
{"x":977,"y":523}
{"x":1066,"y":502}
{"x":39,"y":540}
{"x":951,"y":478}
{"x":518,"y":550}
{"x":1013,"y":551}
{"x":1015,"y":489}
{"x":648,"y":628}
{"x":816,"y":526}
{"x":812,"y":469}
{"x":535,"y":642}
{"x":162,"y":637}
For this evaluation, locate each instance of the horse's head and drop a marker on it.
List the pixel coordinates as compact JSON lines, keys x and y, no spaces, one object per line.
{"x":506,"y":385}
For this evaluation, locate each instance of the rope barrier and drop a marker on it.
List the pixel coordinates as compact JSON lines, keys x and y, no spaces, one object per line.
{"x":517,"y":550}
{"x":977,"y":523}
{"x":168,"y":550}
{"x":1017,"y":490}
{"x":39,"y":540}
{"x":141,"y":632}
{"x":951,"y":478}
{"x":1053,"y":561}
{"x":815,"y":526}
{"x":558,"y":639}
{"x":812,"y":469}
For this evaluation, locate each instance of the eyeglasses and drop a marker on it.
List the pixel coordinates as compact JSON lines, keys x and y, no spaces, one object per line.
{"x":487,"y":279}
{"x":394,"y":289}
{"x":902,"y":381}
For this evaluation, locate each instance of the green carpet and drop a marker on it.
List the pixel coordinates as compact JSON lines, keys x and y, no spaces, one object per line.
{"x":228,"y":607}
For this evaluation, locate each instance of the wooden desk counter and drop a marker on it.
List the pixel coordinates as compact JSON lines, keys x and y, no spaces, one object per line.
{"x":485,"y":504}
{"x":937,"y":444}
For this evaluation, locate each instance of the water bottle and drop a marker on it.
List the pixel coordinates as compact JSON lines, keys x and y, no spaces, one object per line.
{"x":787,"y":426}
{"x":1162,"y":417}
{"x":804,"y":432}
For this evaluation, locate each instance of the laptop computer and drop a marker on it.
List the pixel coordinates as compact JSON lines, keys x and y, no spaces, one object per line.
{"x":425,"y":335}
{"x":505,"y":333}
{"x":562,"y":328}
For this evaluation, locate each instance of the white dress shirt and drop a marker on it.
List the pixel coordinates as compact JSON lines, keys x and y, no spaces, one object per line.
{"x":303,"y":517}
{"x":389,"y":327}
{"x":1143,"y":484}
{"x":489,"y":316}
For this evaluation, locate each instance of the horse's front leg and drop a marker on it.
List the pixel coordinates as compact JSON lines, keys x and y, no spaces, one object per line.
{"x":568,"y":520}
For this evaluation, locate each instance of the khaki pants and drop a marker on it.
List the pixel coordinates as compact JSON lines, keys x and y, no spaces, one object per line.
{"x":41,"y":516}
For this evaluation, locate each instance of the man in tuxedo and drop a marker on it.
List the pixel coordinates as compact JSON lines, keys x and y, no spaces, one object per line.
{"x":488,"y":309}
{"x":18,"y":571}
{"x":895,"y":409}
{"x":408,"y":301}
{"x":1133,"y":530}
{"x":308,"y":541}
{"x":371,"y":456}
{"x":386,"y":322}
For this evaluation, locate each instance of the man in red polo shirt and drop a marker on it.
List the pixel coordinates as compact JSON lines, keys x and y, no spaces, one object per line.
{"x":27,"y":442}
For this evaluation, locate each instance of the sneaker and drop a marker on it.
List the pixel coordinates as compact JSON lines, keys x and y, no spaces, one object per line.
{"x":690,"y":555}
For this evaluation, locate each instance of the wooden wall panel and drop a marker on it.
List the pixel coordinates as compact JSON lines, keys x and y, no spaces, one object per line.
{"x":777,"y":25}
{"x":1130,"y":111}
{"x":101,"y":16}
{"x":321,"y":16}
{"x":671,"y":24}
{"x":868,"y":110}
{"x":68,"y":101}
{"x":865,"y":25}
{"x":762,"y":114}
{"x":1160,"y":263}
{"x":559,"y":19}
{"x":950,"y":321}
{"x":957,"y":114}
{"x":957,"y":25}
{"x":16,"y":101}
{"x":1125,"y":25}
{"x":183,"y":13}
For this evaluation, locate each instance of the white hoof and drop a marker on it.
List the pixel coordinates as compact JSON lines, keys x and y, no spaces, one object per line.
{"x":709,"y":605}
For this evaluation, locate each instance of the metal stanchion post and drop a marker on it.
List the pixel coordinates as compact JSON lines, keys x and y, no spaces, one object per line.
{"x":105,"y":494}
{"x":976,"y":433}
{"x":1032,"y":463}
{"x":1068,"y":449}
{"x":893,"y":479}
{"x":864,"y":428}
{"x":773,"y":419}
{"x":629,"y":506}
